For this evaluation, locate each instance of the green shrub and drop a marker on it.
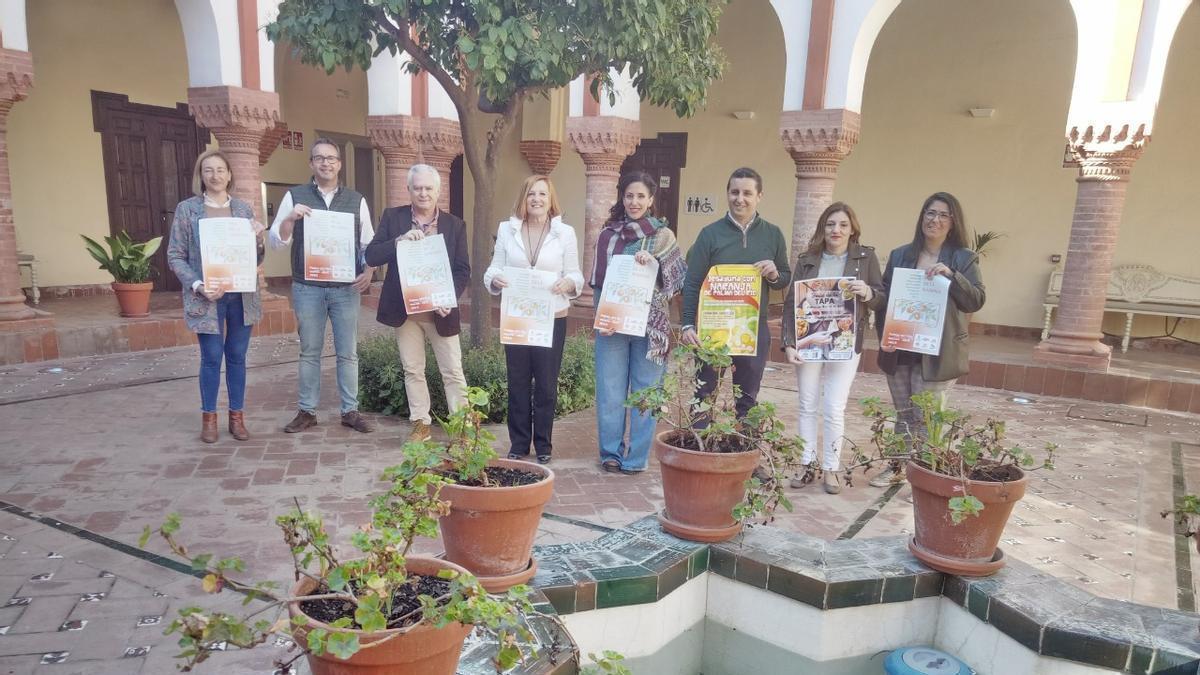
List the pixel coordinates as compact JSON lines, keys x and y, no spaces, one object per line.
{"x":381,"y":377}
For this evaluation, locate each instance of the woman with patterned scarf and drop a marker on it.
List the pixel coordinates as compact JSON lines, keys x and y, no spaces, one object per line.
{"x":625,"y":363}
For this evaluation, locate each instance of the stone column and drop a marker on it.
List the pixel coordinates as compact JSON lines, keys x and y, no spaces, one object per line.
{"x":396,"y":138}
{"x":241,"y":119}
{"x":16,"y":79}
{"x":542,"y":156}
{"x":818,"y":141}
{"x":441,"y":141}
{"x":603,"y":143}
{"x":1105,"y":155}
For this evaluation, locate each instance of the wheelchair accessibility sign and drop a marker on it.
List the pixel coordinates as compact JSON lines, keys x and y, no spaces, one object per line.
{"x":699,"y":205}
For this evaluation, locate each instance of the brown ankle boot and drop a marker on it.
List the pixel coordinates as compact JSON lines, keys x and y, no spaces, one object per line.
{"x":208,"y":428}
{"x":237,"y":426}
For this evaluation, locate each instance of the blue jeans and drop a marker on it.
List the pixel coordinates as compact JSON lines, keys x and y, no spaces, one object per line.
{"x":231,"y":344}
{"x":622,"y":368}
{"x":314,"y":305}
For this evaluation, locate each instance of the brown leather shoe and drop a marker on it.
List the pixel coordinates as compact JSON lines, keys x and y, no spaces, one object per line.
{"x":357,"y":422}
{"x":303,"y":420}
{"x":237,"y":426}
{"x":208,"y":427}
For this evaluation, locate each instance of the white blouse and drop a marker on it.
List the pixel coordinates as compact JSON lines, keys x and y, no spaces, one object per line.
{"x":559,"y":255}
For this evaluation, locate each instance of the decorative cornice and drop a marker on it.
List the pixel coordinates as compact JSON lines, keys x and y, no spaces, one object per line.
{"x":1105,"y":152}
{"x":270,"y":141}
{"x":542,"y":156}
{"x":16,"y":75}
{"x":602,"y":140}
{"x":396,"y":136}
{"x":818,"y":140}
{"x":221,"y":107}
{"x":440,"y":140}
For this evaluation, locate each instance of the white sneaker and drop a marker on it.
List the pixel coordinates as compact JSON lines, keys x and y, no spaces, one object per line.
{"x":888,"y":477}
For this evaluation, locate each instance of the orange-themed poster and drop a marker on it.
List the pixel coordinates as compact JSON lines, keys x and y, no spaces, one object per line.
{"x":915,"y":313}
{"x":228,"y":254}
{"x":625,"y":299}
{"x":729,"y":308}
{"x":825,"y":319}
{"x":329,"y":246}
{"x":527,"y":308}
{"x":425,"y":278}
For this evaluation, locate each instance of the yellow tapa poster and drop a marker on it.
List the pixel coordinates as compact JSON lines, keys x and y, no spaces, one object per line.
{"x":729,"y":308}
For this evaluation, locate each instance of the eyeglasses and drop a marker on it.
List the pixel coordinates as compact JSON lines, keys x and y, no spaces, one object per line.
{"x":936,"y":215}
{"x":326,"y":159}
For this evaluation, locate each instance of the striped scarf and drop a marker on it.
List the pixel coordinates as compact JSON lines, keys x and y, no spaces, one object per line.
{"x":617,"y":236}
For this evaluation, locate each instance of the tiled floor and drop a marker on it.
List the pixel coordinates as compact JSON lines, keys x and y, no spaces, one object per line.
{"x":116,"y":448}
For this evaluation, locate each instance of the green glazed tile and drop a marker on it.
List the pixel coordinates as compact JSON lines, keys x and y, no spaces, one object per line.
{"x":796,"y":586}
{"x":854,"y":593}
{"x":750,"y":572}
{"x":562,"y":598}
{"x":899,"y":589}
{"x":1140,"y":659}
{"x":672,"y":578}
{"x":626,"y":591}
{"x":721,"y":562}
{"x":585,"y":596}
{"x":977,"y":603}
{"x":621,"y":572}
{"x":698,"y":562}
{"x":929,"y":585}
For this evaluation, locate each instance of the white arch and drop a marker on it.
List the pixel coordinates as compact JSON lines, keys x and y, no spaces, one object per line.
{"x":439,"y":102}
{"x":794,"y":16}
{"x":12,"y":25}
{"x":856,"y":25}
{"x":628,"y":104}
{"x":210,"y":34}
{"x":389,"y":86}
{"x":267,"y":11}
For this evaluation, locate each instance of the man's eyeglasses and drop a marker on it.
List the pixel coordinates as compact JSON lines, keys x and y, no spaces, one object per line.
{"x":936,"y":215}
{"x":326,"y":159}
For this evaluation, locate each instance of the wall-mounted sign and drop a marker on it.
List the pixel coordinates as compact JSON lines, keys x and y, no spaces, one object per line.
{"x":700,"y":205}
{"x":664,"y":182}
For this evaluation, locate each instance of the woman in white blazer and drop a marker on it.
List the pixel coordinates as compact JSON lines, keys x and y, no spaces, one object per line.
{"x":535,"y":237}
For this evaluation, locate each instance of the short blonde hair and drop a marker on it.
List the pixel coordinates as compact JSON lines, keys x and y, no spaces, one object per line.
{"x":198,"y":182}
{"x":521,"y":211}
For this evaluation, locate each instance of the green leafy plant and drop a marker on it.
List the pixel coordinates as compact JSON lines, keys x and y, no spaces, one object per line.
{"x":1187,"y":515}
{"x":951,"y":446}
{"x":490,"y":56}
{"x":381,"y":378}
{"x":711,"y":425}
{"x":981,"y":240}
{"x":128,"y":262}
{"x":608,"y":662}
{"x":375,"y":575}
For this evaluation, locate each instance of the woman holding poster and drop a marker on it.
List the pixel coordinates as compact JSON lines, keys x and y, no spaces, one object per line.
{"x":629,"y":360}
{"x":222,"y":321}
{"x":834,"y":283}
{"x":939,"y":249}
{"x":536,"y":239}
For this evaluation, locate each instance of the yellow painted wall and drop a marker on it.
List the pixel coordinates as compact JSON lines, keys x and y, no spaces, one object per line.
{"x":55,"y":156}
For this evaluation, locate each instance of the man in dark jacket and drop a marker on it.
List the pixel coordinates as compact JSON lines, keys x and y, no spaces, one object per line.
{"x":741,"y":237}
{"x":441,"y":326}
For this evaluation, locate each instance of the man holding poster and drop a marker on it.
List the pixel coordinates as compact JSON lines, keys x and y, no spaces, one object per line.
{"x":740,"y":238}
{"x":421,"y":221}
{"x":329,"y":275}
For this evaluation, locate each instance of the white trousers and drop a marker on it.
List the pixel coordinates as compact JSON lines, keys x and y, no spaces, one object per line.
{"x":824,"y":388}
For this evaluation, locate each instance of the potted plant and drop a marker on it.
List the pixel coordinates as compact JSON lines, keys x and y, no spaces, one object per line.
{"x":1187,"y":516}
{"x":381,"y":610}
{"x":718,"y":471}
{"x":495,"y":504}
{"x":965,"y":482}
{"x":129,"y":265}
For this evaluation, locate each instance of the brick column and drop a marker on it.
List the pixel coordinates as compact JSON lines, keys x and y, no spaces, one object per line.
{"x":243,"y":120}
{"x":542,"y":156}
{"x":604,"y":143}
{"x":1105,"y":158}
{"x":441,"y":141}
{"x":396,"y":138}
{"x":818,"y":141}
{"x":16,"y":79}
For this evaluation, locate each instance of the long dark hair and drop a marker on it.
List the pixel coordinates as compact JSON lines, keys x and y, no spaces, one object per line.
{"x":957,"y":236}
{"x":817,"y":243}
{"x":617,"y":212}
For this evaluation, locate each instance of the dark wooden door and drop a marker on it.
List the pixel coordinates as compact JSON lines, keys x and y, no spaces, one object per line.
{"x":662,"y":158}
{"x":149,"y":152}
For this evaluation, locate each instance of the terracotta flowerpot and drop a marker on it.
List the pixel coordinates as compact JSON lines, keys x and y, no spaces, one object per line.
{"x":701,"y":489}
{"x":133,"y":298}
{"x":418,"y":650}
{"x":490,"y":530}
{"x":968,"y":548}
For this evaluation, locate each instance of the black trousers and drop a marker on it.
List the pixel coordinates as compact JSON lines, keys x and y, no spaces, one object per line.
{"x":533,"y":392}
{"x":747,"y":375}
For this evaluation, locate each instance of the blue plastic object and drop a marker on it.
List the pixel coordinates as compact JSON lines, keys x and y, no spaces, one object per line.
{"x":924,"y":661}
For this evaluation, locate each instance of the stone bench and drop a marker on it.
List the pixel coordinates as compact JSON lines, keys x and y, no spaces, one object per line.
{"x":1133,"y":290}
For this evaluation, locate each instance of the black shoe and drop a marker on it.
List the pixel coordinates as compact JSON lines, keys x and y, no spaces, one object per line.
{"x":543,"y":459}
{"x":521,"y":458}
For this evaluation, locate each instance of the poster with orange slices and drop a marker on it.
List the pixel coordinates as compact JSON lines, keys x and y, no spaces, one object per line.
{"x":228,"y":254}
{"x":424,"y":270}
{"x":625,"y":299}
{"x":527,"y":308}
{"x":825,"y":319}
{"x":729,"y":308}
{"x":915,"y":313}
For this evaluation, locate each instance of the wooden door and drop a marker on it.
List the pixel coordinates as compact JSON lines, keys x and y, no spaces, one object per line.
{"x":662,"y":158}
{"x":149,"y":152}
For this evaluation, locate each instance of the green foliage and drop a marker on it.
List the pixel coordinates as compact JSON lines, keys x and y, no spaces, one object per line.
{"x":606,"y":663}
{"x":381,"y":377}
{"x":674,"y":402}
{"x":128,"y":262}
{"x":951,"y":446}
{"x":1187,"y":515}
{"x":509,"y":49}
{"x":981,"y":240}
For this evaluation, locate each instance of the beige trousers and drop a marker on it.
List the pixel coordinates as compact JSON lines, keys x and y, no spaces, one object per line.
{"x":410,"y":338}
